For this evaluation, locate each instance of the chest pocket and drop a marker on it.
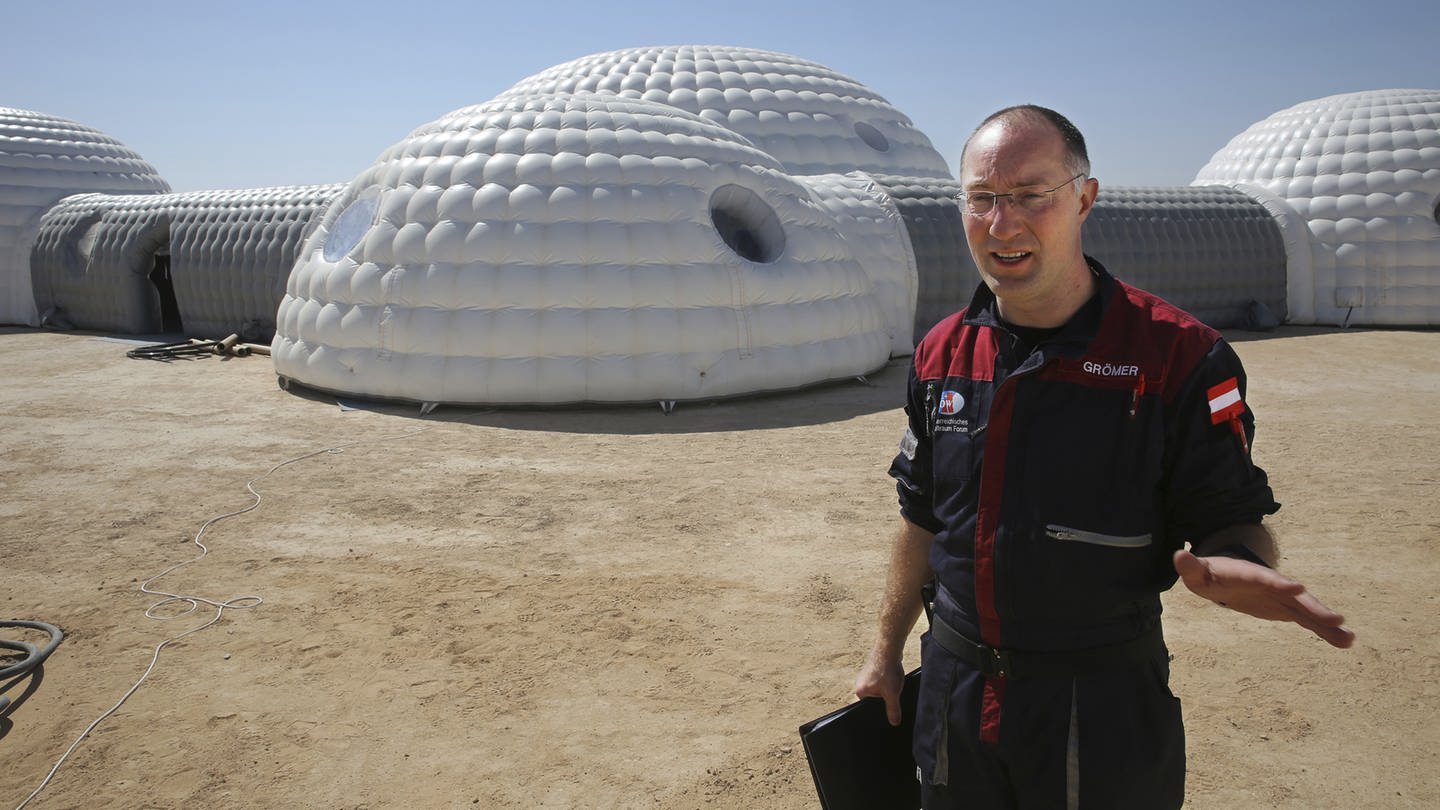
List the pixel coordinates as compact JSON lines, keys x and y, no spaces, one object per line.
{"x":1093,"y":462}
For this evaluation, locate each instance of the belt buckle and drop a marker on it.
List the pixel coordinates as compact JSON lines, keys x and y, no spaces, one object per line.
{"x":997,"y":662}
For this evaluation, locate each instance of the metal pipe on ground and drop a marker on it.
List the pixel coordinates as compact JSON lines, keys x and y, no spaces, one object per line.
{"x":225,"y":346}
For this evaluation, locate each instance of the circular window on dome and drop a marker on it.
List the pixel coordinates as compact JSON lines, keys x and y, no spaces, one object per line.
{"x":352,"y":224}
{"x":747,"y":224}
{"x":873,"y":138}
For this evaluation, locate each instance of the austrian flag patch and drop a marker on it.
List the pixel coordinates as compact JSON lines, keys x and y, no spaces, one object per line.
{"x":1227,"y":406}
{"x":1225,"y":402}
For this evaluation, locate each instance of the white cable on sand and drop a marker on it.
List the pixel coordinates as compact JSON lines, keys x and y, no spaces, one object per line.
{"x":194,"y":602}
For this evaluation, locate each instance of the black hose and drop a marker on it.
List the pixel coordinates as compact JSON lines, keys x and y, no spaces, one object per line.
{"x":34,"y":656}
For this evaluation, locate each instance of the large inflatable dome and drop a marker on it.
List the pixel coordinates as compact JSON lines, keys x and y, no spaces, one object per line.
{"x":810,"y":118}
{"x":1354,"y":181}
{"x":43,"y":159}
{"x":582,"y":248}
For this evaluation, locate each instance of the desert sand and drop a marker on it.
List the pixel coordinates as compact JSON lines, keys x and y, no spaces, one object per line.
{"x":615,"y":607}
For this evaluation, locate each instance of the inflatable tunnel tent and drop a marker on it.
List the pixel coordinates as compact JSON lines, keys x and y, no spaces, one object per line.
{"x":44,"y":158}
{"x":208,"y":263}
{"x":231,"y":253}
{"x":94,"y":263}
{"x":1213,"y":251}
{"x":1354,"y":179}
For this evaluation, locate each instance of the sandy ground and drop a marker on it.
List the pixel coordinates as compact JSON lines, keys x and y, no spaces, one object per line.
{"x":616,"y":608}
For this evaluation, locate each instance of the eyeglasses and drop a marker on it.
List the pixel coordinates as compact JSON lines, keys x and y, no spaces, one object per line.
{"x":1030,"y":200}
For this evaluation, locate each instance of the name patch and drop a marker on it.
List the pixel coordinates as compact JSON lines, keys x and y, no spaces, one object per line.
{"x":1111,"y":369}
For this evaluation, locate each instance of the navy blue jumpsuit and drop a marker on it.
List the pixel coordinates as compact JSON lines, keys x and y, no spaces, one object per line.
{"x":1058,"y":481}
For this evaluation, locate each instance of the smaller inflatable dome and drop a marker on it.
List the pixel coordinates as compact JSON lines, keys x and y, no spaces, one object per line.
{"x":578,"y":248}
{"x":810,"y":118}
{"x":42,"y":159}
{"x":1354,"y":181}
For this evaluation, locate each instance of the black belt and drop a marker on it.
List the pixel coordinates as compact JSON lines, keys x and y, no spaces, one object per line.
{"x":994,"y":663}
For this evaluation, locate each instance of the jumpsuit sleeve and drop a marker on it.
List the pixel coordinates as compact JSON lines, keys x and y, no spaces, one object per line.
{"x":912,"y":468}
{"x":1212,"y":481}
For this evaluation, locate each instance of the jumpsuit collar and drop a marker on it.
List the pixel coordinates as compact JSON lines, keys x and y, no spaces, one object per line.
{"x":1076,"y":332}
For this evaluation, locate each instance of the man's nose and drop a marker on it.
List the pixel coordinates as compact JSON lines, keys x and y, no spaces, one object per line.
{"x":1005,"y":218}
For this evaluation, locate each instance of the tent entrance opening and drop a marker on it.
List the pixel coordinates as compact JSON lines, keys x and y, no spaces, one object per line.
{"x":169,"y":308}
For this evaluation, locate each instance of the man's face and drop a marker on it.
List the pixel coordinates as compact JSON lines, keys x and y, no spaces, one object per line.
{"x":1032,"y":260}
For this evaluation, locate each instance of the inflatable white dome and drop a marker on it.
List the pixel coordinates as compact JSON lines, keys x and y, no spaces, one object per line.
{"x":810,"y":118}
{"x":43,"y":159}
{"x":578,"y":248}
{"x":1354,"y":181}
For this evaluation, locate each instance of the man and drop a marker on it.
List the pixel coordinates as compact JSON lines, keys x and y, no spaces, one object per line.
{"x":1068,"y":435}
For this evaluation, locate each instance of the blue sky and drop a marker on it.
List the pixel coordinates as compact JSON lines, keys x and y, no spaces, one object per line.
{"x":260,"y":92}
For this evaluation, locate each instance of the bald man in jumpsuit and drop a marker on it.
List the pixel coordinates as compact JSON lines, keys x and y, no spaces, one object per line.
{"x":1068,"y":435}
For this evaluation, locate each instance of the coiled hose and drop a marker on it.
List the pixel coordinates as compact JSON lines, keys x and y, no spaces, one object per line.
{"x":35,"y":655}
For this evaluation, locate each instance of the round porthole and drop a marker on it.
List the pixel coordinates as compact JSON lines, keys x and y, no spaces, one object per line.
{"x":873,"y":138}
{"x":352,"y":224}
{"x":747,"y":224}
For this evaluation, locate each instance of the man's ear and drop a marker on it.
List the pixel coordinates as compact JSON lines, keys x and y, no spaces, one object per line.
{"x":1088,"y":192}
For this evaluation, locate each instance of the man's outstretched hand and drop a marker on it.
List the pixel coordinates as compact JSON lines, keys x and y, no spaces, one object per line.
{"x":1261,"y":592}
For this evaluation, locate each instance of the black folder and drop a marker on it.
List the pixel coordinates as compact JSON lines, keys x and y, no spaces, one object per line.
{"x":861,"y":762}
